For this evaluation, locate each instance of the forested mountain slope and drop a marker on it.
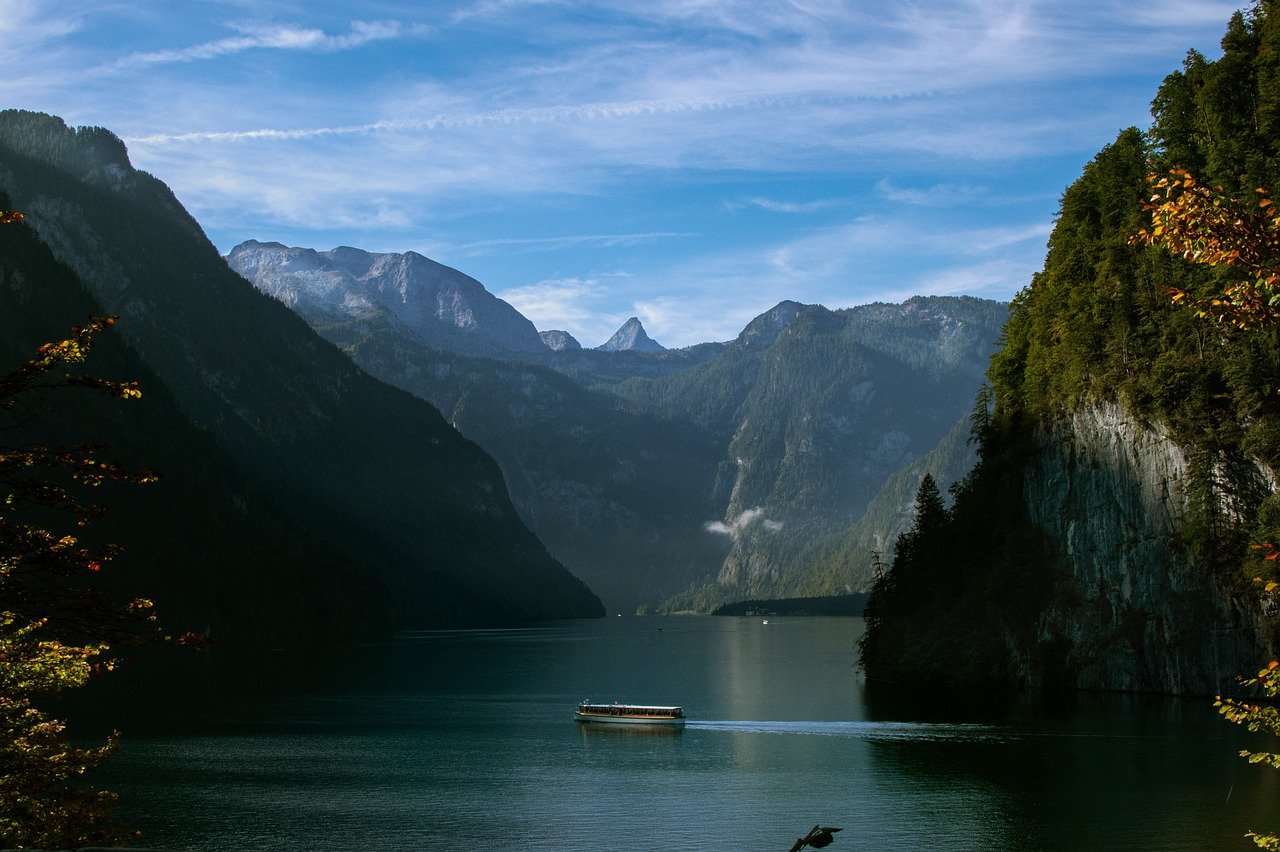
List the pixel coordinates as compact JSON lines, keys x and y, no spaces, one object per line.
{"x":1129,"y":459}
{"x":817,"y":409}
{"x":373,"y":469}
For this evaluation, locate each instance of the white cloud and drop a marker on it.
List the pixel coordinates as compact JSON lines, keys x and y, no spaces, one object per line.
{"x":559,"y":303}
{"x":735,"y":526}
{"x":775,"y":206}
{"x":268,"y":36}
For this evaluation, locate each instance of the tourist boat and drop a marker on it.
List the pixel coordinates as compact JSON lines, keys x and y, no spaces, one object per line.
{"x":628,"y":714}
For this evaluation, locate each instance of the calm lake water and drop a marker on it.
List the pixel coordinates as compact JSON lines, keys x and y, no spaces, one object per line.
{"x":464,"y":740}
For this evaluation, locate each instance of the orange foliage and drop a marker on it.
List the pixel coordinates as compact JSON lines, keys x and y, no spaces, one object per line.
{"x":1206,"y":226}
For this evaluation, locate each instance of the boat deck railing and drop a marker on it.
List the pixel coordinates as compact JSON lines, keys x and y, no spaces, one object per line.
{"x":631,"y":710}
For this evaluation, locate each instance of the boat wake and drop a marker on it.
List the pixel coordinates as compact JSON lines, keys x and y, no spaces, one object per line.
{"x":879,"y":731}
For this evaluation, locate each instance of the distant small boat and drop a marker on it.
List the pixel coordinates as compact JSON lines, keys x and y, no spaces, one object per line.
{"x":766,"y":621}
{"x":628,"y":714}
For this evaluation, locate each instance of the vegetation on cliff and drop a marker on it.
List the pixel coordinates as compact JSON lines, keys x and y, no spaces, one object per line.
{"x":1098,"y":325}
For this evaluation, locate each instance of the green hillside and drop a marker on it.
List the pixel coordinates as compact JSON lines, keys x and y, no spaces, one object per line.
{"x":619,"y":497}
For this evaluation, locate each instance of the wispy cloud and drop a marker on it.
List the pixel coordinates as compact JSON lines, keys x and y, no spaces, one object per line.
{"x":554,"y":243}
{"x":509,"y":116}
{"x":937,"y":195}
{"x":776,"y":206}
{"x":727,"y":153}
{"x":268,"y":36}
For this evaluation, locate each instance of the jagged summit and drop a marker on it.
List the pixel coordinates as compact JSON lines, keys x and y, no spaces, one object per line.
{"x":631,"y":338}
{"x":559,"y":341}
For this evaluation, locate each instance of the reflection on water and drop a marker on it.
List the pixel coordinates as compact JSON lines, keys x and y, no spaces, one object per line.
{"x":912,"y":731}
{"x":631,"y":731}
{"x":465,"y":739}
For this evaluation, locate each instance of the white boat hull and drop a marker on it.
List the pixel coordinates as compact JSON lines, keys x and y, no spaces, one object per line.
{"x":648,"y":721}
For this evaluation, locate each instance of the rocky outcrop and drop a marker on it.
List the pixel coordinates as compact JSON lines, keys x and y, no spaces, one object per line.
{"x":1136,"y":611}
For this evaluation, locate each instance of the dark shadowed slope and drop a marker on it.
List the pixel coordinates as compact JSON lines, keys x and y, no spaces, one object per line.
{"x":378,"y":470}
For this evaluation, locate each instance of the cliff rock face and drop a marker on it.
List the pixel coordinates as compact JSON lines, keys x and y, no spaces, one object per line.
{"x":1137,"y":613}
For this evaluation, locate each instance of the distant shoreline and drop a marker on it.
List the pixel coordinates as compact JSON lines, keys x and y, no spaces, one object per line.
{"x":852,"y":605}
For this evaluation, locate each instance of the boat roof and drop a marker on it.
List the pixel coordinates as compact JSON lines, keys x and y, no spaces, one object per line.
{"x":631,"y":706}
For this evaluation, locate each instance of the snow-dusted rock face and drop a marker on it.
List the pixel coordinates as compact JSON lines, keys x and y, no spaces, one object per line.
{"x":1139,"y":613}
{"x":559,"y":341}
{"x":435,"y":304}
{"x":631,"y":338}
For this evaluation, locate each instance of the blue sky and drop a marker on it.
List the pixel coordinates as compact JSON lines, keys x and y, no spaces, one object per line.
{"x":691,"y":162}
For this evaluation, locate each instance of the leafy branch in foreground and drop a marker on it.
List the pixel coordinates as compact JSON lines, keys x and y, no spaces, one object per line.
{"x":1258,"y":717}
{"x":57,"y":626}
{"x":1206,"y":226}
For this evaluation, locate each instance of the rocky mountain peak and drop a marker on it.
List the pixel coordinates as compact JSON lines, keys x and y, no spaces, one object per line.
{"x":631,"y":338}
{"x":436,"y":304}
{"x":762,"y":331}
{"x":559,"y":341}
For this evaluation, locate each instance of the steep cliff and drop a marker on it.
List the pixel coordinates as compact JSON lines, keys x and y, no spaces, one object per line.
{"x":218,"y":552}
{"x":1135,"y":609}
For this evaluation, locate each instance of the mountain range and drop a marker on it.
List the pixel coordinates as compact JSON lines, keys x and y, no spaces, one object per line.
{"x":671,"y":479}
{"x":668,"y":479}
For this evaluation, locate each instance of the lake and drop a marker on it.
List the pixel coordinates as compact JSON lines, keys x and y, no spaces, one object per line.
{"x":465,"y":740}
